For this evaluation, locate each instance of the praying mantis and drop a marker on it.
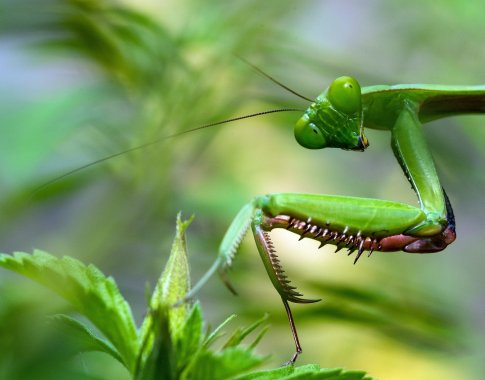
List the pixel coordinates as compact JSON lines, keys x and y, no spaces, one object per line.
{"x":337,"y":119}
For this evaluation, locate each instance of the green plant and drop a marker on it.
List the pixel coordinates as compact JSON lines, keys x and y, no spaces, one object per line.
{"x":171,"y":342}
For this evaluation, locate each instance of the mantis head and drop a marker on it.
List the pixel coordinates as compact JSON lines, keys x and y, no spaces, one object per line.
{"x":334,"y":120}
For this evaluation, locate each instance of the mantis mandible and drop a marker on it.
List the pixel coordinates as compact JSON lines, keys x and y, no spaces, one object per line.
{"x":337,"y":119}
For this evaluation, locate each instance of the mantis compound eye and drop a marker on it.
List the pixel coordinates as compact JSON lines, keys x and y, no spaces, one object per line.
{"x":308,"y":135}
{"x":344,"y":94}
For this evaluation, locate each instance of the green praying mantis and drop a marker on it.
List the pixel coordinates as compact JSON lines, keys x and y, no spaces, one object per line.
{"x":337,"y":119}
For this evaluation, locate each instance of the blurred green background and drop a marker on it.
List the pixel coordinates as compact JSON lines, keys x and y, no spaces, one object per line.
{"x":84,"y":79}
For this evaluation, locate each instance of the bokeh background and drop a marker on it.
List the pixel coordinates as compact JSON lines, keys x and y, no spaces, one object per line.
{"x":80,"y":80}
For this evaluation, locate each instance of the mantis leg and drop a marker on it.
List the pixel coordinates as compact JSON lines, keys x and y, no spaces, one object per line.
{"x":412,"y":152}
{"x":347,"y":222}
{"x":227,"y":250}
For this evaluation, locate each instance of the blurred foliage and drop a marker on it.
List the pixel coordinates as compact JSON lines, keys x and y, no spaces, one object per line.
{"x":81,"y":80}
{"x":407,"y":320}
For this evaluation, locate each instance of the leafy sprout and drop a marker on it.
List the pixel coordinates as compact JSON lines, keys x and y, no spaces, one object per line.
{"x":171,"y":343}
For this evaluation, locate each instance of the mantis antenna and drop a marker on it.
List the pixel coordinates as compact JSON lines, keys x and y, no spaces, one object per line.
{"x":157,"y":141}
{"x":161,"y":139}
{"x":257,"y":69}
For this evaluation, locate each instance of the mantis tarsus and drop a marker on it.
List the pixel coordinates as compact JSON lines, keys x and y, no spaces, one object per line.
{"x":337,"y":119}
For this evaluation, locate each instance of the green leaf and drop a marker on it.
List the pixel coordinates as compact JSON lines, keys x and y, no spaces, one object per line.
{"x":310,"y":371}
{"x":277,"y":373}
{"x":88,"y":290}
{"x":160,"y":360}
{"x":213,"y":336}
{"x":190,"y":342}
{"x":231,"y":360}
{"x":240,"y":333}
{"x":82,"y":337}
{"x":224,"y":365}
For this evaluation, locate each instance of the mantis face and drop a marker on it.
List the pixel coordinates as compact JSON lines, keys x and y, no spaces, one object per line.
{"x":334,"y":120}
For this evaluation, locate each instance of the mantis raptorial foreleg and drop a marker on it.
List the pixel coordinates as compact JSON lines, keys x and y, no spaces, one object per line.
{"x":354,"y":224}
